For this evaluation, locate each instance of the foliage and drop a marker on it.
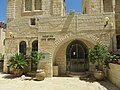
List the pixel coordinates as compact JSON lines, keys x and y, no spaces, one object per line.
{"x":18,"y":61}
{"x":36,"y":57}
{"x":1,"y":57}
{"x":98,"y":54}
{"x":113,"y":58}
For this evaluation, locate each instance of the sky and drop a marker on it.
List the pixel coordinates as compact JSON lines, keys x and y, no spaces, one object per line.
{"x":70,"y":4}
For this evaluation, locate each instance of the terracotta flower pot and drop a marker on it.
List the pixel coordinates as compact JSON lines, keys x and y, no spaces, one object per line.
{"x":18,"y":72}
{"x":40,"y":75}
{"x":99,"y":75}
{"x":118,"y":61}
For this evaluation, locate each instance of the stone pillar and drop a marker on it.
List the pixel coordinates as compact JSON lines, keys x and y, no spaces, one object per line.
{"x":5,"y":68}
{"x":33,"y":7}
{"x":101,"y":3}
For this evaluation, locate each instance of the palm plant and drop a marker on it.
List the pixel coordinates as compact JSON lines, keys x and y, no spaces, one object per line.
{"x":18,"y":61}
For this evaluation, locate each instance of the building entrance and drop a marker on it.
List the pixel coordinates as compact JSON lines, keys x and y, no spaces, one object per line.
{"x":76,"y":56}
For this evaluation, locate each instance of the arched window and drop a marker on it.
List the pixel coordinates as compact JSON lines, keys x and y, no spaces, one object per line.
{"x":35,"y":45}
{"x":22,"y":47}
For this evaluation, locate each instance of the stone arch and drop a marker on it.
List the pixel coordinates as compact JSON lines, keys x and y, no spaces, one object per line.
{"x":59,"y":55}
{"x":92,"y":40}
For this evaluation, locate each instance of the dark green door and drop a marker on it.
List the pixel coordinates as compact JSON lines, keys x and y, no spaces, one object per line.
{"x":77,"y":57}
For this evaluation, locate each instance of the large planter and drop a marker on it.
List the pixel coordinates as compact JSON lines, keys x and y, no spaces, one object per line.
{"x":99,"y":75}
{"x":18,"y":72}
{"x":118,"y":61}
{"x":114,"y":74}
{"x":40,"y":75}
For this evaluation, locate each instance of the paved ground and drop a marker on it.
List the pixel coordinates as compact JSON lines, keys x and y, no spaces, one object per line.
{"x":55,"y":83}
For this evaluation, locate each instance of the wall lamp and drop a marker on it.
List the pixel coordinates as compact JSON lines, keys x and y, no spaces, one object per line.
{"x":11,"y":34}
{"x":106,"y":19}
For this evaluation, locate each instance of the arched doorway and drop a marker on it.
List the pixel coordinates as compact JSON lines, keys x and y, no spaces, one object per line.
{"x":76,"y":57}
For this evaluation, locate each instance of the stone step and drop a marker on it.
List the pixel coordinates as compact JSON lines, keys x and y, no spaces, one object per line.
{"x":31,"y":74}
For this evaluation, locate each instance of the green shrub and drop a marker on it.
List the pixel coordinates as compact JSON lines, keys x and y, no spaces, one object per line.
{"x":98,"y":54}
{"x":36,"y":57}
{"x":18,"y":61}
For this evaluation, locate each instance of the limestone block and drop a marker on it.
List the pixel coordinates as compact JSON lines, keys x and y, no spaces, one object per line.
{"x":55,"y":70}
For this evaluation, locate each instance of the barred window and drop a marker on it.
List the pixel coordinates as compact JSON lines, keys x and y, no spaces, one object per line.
{"x":38,"y":4}
{"x":28,"y":5}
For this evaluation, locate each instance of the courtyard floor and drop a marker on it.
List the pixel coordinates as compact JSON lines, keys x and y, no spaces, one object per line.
{"x":55,"y":83}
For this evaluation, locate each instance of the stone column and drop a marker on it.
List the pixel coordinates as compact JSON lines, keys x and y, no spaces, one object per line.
{"x":33,"y":7}
{"x":102,"y":7}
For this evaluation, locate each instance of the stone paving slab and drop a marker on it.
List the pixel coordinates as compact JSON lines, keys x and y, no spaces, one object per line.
{"x":55,"y":83}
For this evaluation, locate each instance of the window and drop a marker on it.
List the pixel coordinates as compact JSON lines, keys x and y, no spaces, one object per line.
{"x":33,"y":20}
{"x":4,"y":42}
{"x":35,"y":45}
{"x":107,"y":5}
{"x":22,"y":47}
{"x":118,"y":41}
{"x":28,"y":5}
{"x":38,"y":4}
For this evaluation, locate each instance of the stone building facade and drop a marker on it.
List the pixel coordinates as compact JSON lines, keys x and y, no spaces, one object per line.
{"x":63,"y":38}
{"x":2,"y":39}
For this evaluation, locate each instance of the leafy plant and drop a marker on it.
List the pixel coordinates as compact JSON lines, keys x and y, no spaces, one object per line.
{"x":98,"y":54}
{"x":1,"y":57}
{"x":36,"y":57}
{"x":113,"y":58}
{"x":18,"y":61}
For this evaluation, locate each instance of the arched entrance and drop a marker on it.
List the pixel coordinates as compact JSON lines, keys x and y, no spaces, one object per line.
{"x":76,"y":57}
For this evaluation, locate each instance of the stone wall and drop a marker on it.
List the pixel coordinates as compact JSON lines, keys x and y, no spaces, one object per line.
{"x":2,"y":41}
{"x":11,"y":9}
{"x":117,"y":17}
{"x":60,"y":59}
{"x":114,"y":74}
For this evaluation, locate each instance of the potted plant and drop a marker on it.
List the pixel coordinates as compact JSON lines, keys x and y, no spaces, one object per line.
{"x":36,"y":57}
{"x":18,"y":62}
{"x":98,"y":55}
{"x":114,"y":58}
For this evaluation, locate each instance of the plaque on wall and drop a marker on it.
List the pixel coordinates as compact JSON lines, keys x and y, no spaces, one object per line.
{"x":48,"y":38}
{"x":45,"y":56}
